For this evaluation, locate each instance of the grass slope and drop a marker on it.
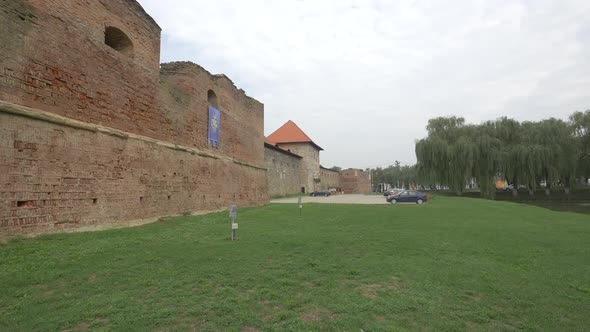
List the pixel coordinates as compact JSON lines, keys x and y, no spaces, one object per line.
{"x":454,"y":264}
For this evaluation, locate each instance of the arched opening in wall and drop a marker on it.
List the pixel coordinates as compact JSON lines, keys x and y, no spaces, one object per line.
{"x":212,"y":98}
{"x":118,"y":40}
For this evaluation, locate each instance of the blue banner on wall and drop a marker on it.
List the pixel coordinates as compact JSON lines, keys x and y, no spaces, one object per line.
{"x":214,"y":126}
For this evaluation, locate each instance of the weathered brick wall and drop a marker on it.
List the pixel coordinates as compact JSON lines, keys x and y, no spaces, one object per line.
{"x":329,"y":179}
{"x":183,"y":90}
{"x":58,"y":176}
{"x":283,"y":175}
{"x":53,"y":57}
{"x":354,"y":181}
{"x":310,"y":164}
{"x":150,"y":157}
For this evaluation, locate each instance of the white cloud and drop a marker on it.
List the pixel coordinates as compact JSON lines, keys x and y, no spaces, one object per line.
{"x":363,"y":77}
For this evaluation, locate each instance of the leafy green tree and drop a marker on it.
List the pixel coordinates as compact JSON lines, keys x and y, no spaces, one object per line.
{"x":580,"y":122}
{"x":557,"y":152}
{"x":397,"y":175}
{"x":487,"y":160}
{"x":528,"y":153}
{"x":446,"y":157}
{"x":511,"y":154}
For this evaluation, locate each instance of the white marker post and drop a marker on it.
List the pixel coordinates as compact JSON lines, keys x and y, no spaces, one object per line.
{"x":234,"y":226}
{"x":233,"y":214}
{"x":300,"y":205}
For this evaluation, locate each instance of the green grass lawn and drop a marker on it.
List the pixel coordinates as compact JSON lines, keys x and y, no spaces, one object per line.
{"x":453,"y":264}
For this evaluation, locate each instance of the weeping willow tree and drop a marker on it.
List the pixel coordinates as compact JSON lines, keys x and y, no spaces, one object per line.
{"x":556,"y":152}
{"x":462,"y":155}
{"x":547,"y":152}
{"x":530,"y":166}
{"x":580,"y":122}
{"x":447,"y":155}
{"x":432,"y":161}
{"x":487,"y":161}
{"x":445,"y":164}
{"x":567,"y":150}
{"x":511,"y":151}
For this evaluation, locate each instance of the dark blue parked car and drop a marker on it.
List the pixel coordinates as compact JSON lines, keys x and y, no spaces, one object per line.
{"x":320,"y":193}
{"x":408,"y":196}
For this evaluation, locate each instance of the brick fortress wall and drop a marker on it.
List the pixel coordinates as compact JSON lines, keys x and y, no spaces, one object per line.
{"x":53,"y":57}
{"x":184,"y":88}
{"x":329,"y":179}
{"x":106,"y":137}
{"x":354,"y":181}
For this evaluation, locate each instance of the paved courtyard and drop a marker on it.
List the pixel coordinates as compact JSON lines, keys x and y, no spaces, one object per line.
{"x":336,"y":199}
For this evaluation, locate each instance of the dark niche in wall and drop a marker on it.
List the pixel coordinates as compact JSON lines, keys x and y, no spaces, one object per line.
{"x":118,"y":40}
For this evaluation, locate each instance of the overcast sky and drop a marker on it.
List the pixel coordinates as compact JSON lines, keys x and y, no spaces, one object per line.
{"x":362,"y":78}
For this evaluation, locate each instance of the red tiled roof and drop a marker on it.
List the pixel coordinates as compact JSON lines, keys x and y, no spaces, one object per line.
{"x":289,"y":133}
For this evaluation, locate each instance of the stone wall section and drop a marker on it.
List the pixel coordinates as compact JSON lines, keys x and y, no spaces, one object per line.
{"x":310,"y":164}
{"x":283,"y":172}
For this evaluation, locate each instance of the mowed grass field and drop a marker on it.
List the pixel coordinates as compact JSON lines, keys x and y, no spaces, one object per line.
{"x":453,"y":264}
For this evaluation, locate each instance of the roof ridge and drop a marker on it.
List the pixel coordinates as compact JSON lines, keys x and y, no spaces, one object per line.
{"x":289,"y":132}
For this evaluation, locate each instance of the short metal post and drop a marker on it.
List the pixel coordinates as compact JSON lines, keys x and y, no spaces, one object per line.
{"x":233,"y":214}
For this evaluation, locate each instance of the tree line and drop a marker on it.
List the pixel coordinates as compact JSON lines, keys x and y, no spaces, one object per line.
{"x":527,"y":154}
{"x":397,"y":175}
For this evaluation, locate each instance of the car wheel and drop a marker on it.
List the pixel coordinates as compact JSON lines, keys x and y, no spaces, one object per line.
{"x":393,"y":201}
{"x":327,"y":195}
{"x":420,"y":201}
{"x":312,"y":195}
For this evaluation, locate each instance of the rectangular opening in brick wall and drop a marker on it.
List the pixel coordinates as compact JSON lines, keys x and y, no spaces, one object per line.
{"x":94,"y":200}
{"x":25,"y":203}
{"x":169,"y":197}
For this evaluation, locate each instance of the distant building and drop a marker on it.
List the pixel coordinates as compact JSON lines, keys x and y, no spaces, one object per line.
{"x":288,"y":149}
{"x":291,"y":138}
{"x":355,"y":181}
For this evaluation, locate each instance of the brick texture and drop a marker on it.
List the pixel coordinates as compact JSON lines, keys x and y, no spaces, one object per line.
{"x":329,"y":179}
{"x":53,"y":57}
{"x":135,"y":146}
{"x":183,"y":91}
{"x":354,"y":181}
{"x":55,"y":177}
